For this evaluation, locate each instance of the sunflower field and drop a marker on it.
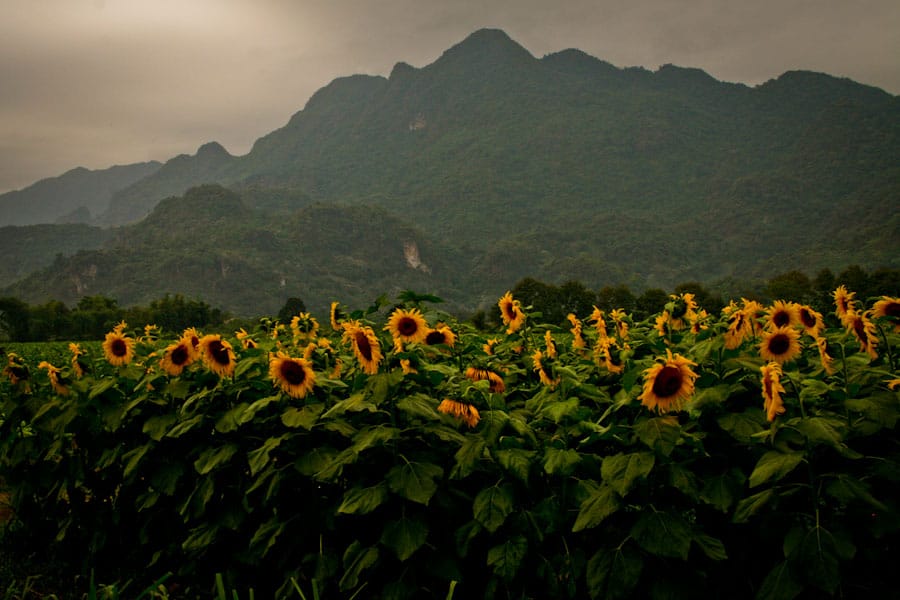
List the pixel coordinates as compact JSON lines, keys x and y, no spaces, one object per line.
{"x":395,"y":452}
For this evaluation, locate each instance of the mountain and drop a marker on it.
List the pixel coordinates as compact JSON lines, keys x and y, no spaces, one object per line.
{"x":76,"y":196}
{"x":561,"y":167}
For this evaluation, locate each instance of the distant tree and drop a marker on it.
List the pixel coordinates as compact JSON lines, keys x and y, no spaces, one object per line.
{"x":292,"y":307}
{"x":575,"y":297}
{"x":617,"y":296}
{"x":885,"y":282}
{"x":855,"y":279}
{"x":793,"y":285}
{"x":650,"y":302}
{"x":14,"y":317}
{"x":97,"y":303}
{"x":713,"y":303}
{"x":542,"y":298}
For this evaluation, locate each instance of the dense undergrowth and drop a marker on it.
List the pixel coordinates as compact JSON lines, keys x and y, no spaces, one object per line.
{"x":401,"y":454}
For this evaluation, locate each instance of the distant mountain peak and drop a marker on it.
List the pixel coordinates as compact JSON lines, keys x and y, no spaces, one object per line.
{"x":210,"y":149}
{"x":484,"y":47}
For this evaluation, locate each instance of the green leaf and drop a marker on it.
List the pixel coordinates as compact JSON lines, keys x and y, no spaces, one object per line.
{"x":816,"y":558}
{"x":200,"y":538}
{"x":468,"y":457}
{"x":881,"y":408}
{"x":100,"y":387}
{"x":133,"y":457}
{"x":558,"y":410}
{"x":492,"y":424}
{"x":613,"y":573}
{"x":601,"y":502}
{"x":847,"y":489}
{"x":516,"y":461}
{"x":361,"y":501}
{"x":185,"y":426}
{"x":314,"y":460}
{"x":335,"y":466}
{"x":231,"y":419}
{"x":716,"y":394}
{"x":751,"y":505}
{"x":372,"y":436}
{"x":659,"y":433}
{"x":259,"y":458}
{"x":663,"y":534}
{"x":779,"y":585}
{"x":712,"y":547}
{"x":743,"y":425}
{"x":772,"y":466}
{"x":414,"y":480}
{"x":684,"y":480}
{"x":257,"y":406}
{"x":357,"y":559}
{"x":404,"y":537}
{"x":302,"y":417}
{"x":560,"y":461}
{"x":506,"y":558}
{"x":722,"y":490}
{"x":355,"y":403}
{"x":492,"y":505}
{"x":380,"y":384}
{"x":157,"y":426}
{"x":420,"y":406}
{"x":213,"y":457}
{"x":267,"y":534}
{"x":621,"y":471}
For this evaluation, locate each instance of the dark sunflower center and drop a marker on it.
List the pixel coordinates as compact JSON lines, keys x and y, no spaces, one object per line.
{"x":667,"y":382}
{"x":179,"y":355}
{"x":293,"y":372}
{"x":219,"y":352}
{"x":892,"y":309}
{"x":781,"y":318}
{"x":807,"y":318}
{"x":195,"y":341}
{"x":779,"y":344}
{"x":118,"y":347}
{"x":614,"y":358}
{"x":435,"y":337}
{"x":407,"y":326}
{"x":508,"y":311}
{"x":679,"y":310}
{"x":860,"y":329}
{"x":363,"y":345}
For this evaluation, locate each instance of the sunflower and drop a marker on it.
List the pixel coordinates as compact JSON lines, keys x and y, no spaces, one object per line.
{"x":79,"y":365}
{"x":608,"y":350}
{"x":599,"y":323}
{"x":782,"y":314}
{"x":365,"y":346}
{"x":217,"y":355}
{"x":538,"y":360}
{"x":177,"y":357}
{"x":811,"y":320}
{"x":118,"y":347}
{"x":56,"y":380}
{"x":511,"y":313}
{"x":488,"y":346}
{"x":247,"y":342}
{"x":753,"y":312}
{"x":497,"y":386}
{"x":335,"y":316}
{"x":407,"y":325}
{"x":578,"y":342}
{"x":407,"y":367}
{"x":827,"y":360}
{"x":463,"y":411}
{"x":549,"y":344}
{"x":618,"y":316}
{"x":15,"y":370}
{"x":772,"y":390}
{"x":888,"y":308}
{"x":780,"y":345}
{"x":699,"y":322}
{"x":844,"y":303}
{"x":864,"y":329}
{"x":739,"y":326}
{"x":668,"y":384}
{"x":440,"y":335}
{"x":683,"y":309}
{"x":662,"y":325}
{"x":151,"y":333}
{"x":295,"y":376}
{"x":304,"y":326}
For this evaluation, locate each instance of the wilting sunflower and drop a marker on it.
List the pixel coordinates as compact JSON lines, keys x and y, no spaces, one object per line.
{"x":782,"y":314}
{"x":497,"y":386}
{"x":578,"y":342}
{"x":549,"y":345}
{"x":827,"y":360}
{"x":407,"y":325}
{"x":538,"y":360}
{"x":335,"y":316}
{"x":463,"y":411}
{"x":192,"y":336}
{"x":864,"y":329}
{"x":811,"y":320}
{"x":295,"y":376}
{"x":668,"y":385}
{"x":118,"y":348}
{"x":440,"y":335}
{"x":217,"y":354}
{"x":79,"y":365}
{"x":304,"y":326}
{"x":699,"y":322}
{"x":888,"y":308}
{"x":599,"y":322}
{"x":365,"y":346}
{"x":247,"y":342}
{"x":844,"y":303}
{"x":738,"y":326}
{"x":407,"y":367}
{"x":683,"y":310}
{"x":56,"y":379}
{"x":488,"y":346}
{"x":780,"y":345}
{"x":15,"y":370}
{"x":618,"y":316}
{"x":608,"y":352}
{"x":772,"y":390}
{"x":177,"y":357}
{"x":151,"y":333}
{"x":663,"y":324}
{"x":511,"y":312}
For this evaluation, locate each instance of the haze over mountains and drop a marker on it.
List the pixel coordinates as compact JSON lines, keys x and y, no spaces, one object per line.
{"x":483,"y":167}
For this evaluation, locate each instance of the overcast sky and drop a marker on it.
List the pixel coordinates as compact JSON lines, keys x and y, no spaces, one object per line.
{"x":95,"y":83}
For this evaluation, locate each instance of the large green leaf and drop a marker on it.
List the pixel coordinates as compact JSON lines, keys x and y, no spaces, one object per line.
{"x":601,"y":502}
{"x":357,"y":558}
{"x":304,"y":417}
{"x":743,"y":425}
{"x":361,"y":501}
{"x":419,"y":406}
{"x":259,"y":458}
{"x":133,"y":457}
{"x":185,"y":426}
{"x":213,"y":457}
{"x":157,"y":426}
{"x":613,"y":573}
{"x":621,"y":470}
{"x":779,"y":585}
{"x":231,"y":420}
{"x":374,"y":436}
{"x":404,"y":536}
{"x":774,"y":465}
{"x":559,"y":461}
{"x":506,"y":558}
{"x":721,"y":491}
{"x":414,"y":480}
{"x":751,"y":505}
{"x":355,"y":403}
{"x":492,"y":505}
{"x":468,"y":456}
{"x":516,"y":461}
{"x":659,"y":433}
{"x":663,"y":533}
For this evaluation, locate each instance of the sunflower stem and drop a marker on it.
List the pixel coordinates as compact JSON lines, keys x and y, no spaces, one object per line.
{"x":887,"y":345}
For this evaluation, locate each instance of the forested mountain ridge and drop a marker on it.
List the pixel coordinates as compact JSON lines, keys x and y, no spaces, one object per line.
{"x":567,"y":167}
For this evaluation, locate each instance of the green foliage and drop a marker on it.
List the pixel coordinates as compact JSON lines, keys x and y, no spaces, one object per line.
{"x":374,"y":485}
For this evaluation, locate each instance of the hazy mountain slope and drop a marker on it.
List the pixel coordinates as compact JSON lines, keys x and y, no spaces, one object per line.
{"x":28,"y":248}
{"x":76,"y":196}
